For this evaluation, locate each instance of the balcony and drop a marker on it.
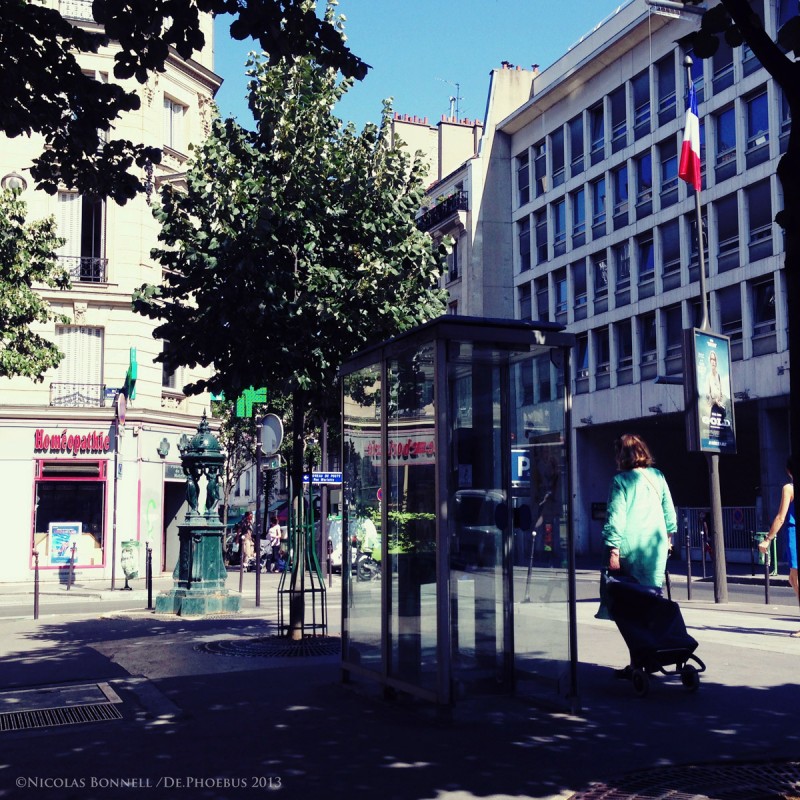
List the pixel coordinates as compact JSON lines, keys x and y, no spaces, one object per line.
{"x":77,"y":395}
{"x":76,"y":9}
{"x":85,"y":269}
{"x":441,"y":211}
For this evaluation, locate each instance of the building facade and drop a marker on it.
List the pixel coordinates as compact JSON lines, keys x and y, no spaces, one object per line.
{"x":572,"y":211}
{"x":76,"y":476}
{"x":605,"y":242}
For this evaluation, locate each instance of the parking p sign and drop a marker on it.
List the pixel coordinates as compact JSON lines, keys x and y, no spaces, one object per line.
{"x":520,"y":467}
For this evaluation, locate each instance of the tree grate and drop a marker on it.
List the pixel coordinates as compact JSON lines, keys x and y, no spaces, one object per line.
{"x":703,"y":782}
{"x":51,"y":717}
{"x":273,"y":647}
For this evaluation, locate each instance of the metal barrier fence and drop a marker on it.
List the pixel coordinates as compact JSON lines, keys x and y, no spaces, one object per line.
{"x":739,"y":523}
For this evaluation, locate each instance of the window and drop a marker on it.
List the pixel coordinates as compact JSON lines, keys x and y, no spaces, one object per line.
{"x":762,"y":295}
{"x":759,"y":218}
{"x":578,"y":199}
{"x":560,"y":227}
{"x":786,"y":121}
{"x":524,"y":239}
{"x":727,"y":211}
{"x":599,"y":207}
{"x":525,"y":309}
{"x":540,"y":221}
{"x":725,"y":131}
{"x":452,"y":262}
{"x":620,"y":183}
{"x":668,"y":153}
{"x":582,"y":363}
{"x":673,"y":328}
{"x":579,"y":289}
{"x":523,"y":179}
{"x":729,"y":303}
{"x":644,"y":184}
{"x":757,"y":129}
{"x":665,"y":84}
{"x":619,"y":122}
{"x":597,"y":133}
{"x":640,"y":86}
{"x":561,"y":296}
{"x":81,"y":222}
{"x":540,"y":168}
{"x":624,"y":342}
{"x":645,"y":265}
{"x":557,"y":155}
{"x":544,"y":378}
{"x":599,"y":278}
{"x":648,"y":344}
{"x":749,"y":61}
{"x":722,"y":66}
{"x":174,"y":114}
{"x":170,"y":379}
{"x":542,"y":300}
{"x":602,"y":358}
{"x":622,"y":273}
{"x":670,"y":236}
{"x":576,"y":145}
{"x":80,"y":374}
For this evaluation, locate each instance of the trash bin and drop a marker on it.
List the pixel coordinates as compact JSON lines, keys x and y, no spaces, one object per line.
{"x":129,"y":559}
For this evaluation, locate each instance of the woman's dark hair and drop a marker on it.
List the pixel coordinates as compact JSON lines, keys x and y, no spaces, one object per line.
{"x":631,"y":451}
{"x":790,"y":466}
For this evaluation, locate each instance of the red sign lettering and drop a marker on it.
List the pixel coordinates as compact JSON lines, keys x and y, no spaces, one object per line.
{"x":71,"y":443}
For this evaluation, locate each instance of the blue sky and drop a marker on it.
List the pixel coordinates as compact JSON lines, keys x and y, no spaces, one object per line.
{"x":420,"y":49}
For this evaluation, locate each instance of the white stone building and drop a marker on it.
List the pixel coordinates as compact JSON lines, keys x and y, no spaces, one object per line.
{"x":60,"y":461}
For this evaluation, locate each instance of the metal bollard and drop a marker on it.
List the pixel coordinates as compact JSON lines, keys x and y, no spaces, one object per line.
{"x":71,"y":569}
{"x":688,"y":558}
{"x":148,"y":573}
{"x":766,"y":576}
{"x":36,"y":584}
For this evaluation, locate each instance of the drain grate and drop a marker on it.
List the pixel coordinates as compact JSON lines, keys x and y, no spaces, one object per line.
{"x":50,"y":717}
{"x":273,"y":647}
{"x":703,"y":782}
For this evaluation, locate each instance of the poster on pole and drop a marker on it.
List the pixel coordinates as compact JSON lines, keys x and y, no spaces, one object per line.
{"x":62,"y":536}
{"x":710,"y":426}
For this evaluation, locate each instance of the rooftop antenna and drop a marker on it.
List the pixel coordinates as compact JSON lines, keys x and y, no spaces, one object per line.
{"x":455,"y":100}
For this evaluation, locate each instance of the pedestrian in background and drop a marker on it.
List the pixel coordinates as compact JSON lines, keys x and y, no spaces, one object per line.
{"x":640,"y":516}
{"x":274,"y":534}
{"x":786,"y":515}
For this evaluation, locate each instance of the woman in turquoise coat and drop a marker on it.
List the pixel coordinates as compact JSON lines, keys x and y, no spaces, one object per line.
{"x":640,"y":516}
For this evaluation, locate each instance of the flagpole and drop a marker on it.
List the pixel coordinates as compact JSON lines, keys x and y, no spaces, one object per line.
{"x":715,"y":493}
{"x":704,"y":322}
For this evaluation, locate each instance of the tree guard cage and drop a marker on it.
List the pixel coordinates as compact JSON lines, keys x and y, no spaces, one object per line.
{"x":456,"y":488}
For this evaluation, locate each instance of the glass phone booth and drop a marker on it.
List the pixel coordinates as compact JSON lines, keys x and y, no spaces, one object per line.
{"x":456,"y":511}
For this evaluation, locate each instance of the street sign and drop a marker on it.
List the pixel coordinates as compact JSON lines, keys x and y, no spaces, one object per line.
{"x":323,"y":477}
{"x":271,"y":434}
{"x":272,"y":462}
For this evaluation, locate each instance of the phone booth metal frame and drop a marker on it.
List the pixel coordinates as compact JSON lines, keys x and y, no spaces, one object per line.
{"x":457,"y":509}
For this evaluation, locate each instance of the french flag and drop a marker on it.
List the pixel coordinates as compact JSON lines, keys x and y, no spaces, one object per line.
{"x":689,"y":166}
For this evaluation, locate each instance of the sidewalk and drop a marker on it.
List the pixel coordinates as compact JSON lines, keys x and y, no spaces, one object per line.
{"x":202,"y":712}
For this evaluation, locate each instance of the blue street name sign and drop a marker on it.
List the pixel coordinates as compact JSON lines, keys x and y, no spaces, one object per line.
{"x":323,"y":477}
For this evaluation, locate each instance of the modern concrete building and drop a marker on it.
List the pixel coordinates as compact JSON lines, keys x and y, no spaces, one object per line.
{"x":60,"y":459}
{"x":575,"y":214}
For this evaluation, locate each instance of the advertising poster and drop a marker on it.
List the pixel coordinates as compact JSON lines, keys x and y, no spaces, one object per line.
{"x":711,"y":427}
{"x":62,"y":536}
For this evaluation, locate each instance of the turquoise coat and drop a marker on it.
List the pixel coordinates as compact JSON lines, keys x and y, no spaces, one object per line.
{"x":640,"y":515}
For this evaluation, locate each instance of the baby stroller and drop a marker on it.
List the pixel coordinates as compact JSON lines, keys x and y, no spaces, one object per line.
{"x":655,"y":633}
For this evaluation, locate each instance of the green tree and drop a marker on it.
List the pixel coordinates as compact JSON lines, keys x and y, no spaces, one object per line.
{"x":46,"y":92}
{"x":736,"y":21}
{"x":293,"y":247}
{"x":27,"y":257}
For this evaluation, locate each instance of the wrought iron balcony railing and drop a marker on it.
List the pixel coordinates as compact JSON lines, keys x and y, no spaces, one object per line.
{"x":446,"y":208}
{"x":77,"y":395}
{"x":76,"y":9}
{"x":86,"y":269}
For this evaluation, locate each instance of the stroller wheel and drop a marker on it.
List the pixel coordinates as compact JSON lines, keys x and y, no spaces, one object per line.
{"x":641,"y":682}
{"x":690,"y":678}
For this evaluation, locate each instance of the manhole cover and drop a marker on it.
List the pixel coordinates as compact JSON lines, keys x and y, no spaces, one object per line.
{"x":273,"y":646}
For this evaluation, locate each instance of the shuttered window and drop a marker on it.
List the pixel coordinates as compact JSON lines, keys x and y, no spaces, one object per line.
{"x":83,"y":354}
